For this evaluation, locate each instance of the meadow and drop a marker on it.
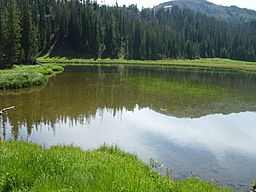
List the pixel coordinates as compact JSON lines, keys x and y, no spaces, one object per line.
{"x":207,"y":63}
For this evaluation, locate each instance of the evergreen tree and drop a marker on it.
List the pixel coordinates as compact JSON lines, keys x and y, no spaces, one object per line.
{"x":32,"y":27}
{"x":3,"y":62}
{"x":13,"y":34}
{"x":28,"y":34}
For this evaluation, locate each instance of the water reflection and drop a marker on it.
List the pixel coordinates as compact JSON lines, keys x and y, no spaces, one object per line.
{"x":189,"y":121}
{"x":216,"y":133}
{"x":214,"y":146}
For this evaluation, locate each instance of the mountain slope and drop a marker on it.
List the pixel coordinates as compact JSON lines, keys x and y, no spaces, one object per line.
{"x":232,"y":13}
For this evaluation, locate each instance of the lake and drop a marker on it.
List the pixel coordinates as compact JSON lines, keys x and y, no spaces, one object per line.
{"x":200,"y":121}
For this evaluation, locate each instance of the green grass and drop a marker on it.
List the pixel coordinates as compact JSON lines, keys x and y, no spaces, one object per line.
{"x":27,"y":76}
{"x":200,"y":63}
{"x":28,"y":167}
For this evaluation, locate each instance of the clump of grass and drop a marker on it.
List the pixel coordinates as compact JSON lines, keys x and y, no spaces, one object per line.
{"x":28,"y":167}
{"x":27,"y":76}
{"x":20,"y":80}
{"x":57,"y":68}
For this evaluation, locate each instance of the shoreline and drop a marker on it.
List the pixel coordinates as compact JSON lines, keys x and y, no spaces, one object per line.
{"x":26,"y":76}
{"x":31,"y":167}
{"x":208,"y":63}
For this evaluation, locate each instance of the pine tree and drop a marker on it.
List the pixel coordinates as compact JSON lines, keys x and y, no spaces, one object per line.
{"x":3,"y":62}
{"x":28,"y":34}
{"x":30,"y":27}
{"x":13,"y":34}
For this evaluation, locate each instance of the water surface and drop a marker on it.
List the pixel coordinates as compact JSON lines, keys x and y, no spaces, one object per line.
{"x":189,"y":121}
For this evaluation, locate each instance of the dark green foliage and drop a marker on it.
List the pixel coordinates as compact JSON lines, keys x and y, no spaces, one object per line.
{"x":28,"y":34}
{"x":39,"y":27}
{"x":13,"y":33}
{"x":232,"y":13}
{"x":2,"y":35}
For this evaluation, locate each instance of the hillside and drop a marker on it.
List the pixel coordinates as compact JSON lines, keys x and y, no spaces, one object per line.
{"x":231,"y":13}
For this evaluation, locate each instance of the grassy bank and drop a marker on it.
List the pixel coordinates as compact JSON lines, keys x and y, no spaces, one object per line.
{"x":205,"y":63}
{"x":28,"y":167}
{"x":27,"y":76}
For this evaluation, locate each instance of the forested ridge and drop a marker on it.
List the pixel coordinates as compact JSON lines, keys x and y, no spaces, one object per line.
{"x":230,"y":13}
{"x":32,"y":27}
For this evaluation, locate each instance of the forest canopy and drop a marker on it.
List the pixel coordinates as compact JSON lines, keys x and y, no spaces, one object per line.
{"x":29,"y":28}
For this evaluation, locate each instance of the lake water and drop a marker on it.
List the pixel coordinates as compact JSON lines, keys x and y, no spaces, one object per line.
{"x":199,"y":121}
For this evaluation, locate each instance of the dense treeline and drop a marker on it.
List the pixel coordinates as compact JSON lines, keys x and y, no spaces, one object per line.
{"x":32,"y":27}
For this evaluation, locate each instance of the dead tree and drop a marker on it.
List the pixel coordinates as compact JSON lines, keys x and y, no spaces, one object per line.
{"x":6,"y":109}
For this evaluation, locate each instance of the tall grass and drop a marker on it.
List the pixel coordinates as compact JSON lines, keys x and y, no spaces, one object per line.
{"x":28,"y":167}
{"x":27,"y":76}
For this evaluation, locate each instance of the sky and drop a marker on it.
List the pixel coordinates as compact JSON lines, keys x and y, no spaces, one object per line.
{"x":250,"y":4}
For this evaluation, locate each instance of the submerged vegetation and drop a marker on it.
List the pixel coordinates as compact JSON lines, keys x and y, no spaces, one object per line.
{"x":167,"y":88}
{"x":27,"y":76}
{"x":28,"y":167}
